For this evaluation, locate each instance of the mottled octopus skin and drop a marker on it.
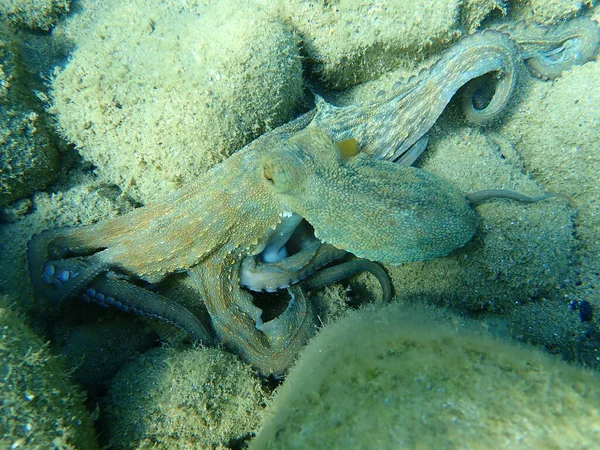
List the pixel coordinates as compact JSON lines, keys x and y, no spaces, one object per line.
{"x":207,"y":228}
{"x":372,"y":208}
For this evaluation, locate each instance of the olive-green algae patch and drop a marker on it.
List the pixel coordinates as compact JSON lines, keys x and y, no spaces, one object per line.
{"x":155,"y":93}
{"x":28,"y":157}
{"x":33,"y":14}
{"x":200,"y":398}
{"x":410,"y":377}
{"x":39,"y":407}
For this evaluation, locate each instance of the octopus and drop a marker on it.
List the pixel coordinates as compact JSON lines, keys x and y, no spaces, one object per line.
{"x":333,"y":181}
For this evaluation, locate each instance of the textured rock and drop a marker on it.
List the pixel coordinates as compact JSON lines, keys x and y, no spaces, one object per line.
{"x":556,"y":129}
{"x":352,"y":41}
{"x":552,"y":11}
{"x":156,"y":94}
{"x":200,"y":398}
{"x":407,"y":377}
{"x":34,"y":14}
{"x":28,"y":157}
{"x":39,"y":407}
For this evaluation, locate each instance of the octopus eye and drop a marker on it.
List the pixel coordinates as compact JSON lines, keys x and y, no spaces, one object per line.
{"x":280,"y":174}
{"x":268,"y":176}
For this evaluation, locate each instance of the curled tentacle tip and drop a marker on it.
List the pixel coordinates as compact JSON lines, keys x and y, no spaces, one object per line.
{"x":566,"y":197}
{"x":339,"y":272}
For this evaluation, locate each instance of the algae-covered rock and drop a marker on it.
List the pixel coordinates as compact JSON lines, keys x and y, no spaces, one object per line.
{"x":200,"y":398}
{"x":549,"y":12}
{"x":475,"y":11}
{"x":556,"y":130}
{"x":34,"y":14}
{"x":39,"y":407}
{"x":350,"y":41}
{"x":406,"y":377}
{"x":28,"y":157}
{"x":96,"y":349}
{"x":156,"y":92}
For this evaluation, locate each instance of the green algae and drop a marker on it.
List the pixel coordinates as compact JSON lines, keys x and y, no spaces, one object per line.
{"x":39,"y":406}
{"x":198,"y":398}
{"x":33,"y":14}
{"x":28,"y":158}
